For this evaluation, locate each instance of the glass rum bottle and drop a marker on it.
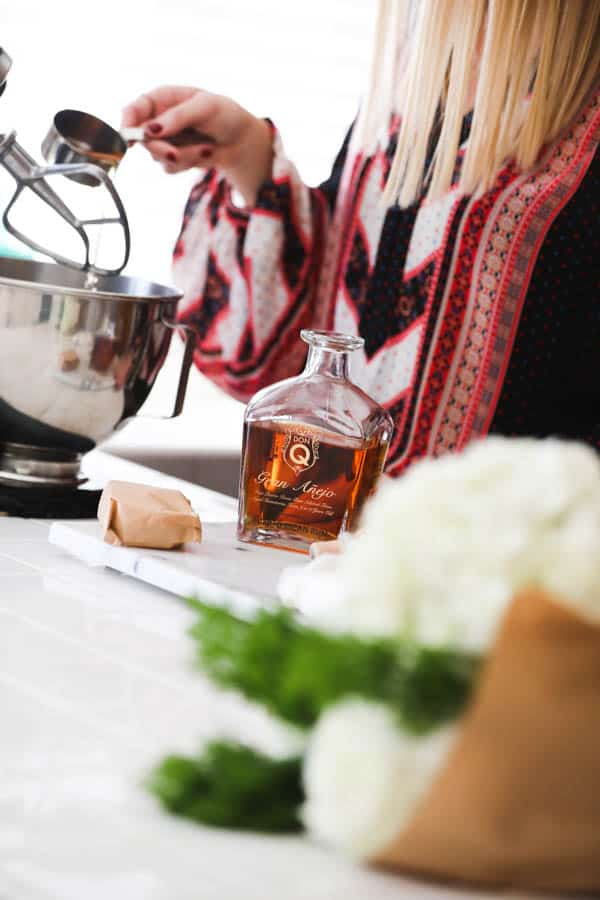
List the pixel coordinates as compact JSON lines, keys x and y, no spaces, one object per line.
{"x":313,"y":449}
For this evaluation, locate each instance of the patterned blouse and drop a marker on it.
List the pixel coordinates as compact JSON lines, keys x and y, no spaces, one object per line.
{"x":478,"y":314}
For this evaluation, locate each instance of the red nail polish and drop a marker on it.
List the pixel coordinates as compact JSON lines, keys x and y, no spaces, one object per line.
{"x":171,"y":156}
{"x":154,"y":128}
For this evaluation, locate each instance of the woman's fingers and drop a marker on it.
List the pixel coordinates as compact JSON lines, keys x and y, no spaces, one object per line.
{"x":228,"y":137}
{"x":161,"y":151}
{"x":193,"y":112}
{"x":137,"y":112}
{"x":165,"y":111}
{"x":202,"y":155}
{"x":153,"y":103}
{"x":178,"y":159}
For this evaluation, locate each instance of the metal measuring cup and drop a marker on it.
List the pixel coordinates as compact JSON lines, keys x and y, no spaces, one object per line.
{"x":79,"y":137}
{"x":76,"y":137}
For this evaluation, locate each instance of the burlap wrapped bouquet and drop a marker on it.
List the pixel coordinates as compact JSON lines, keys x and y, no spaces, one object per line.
{"x":445,"y":670}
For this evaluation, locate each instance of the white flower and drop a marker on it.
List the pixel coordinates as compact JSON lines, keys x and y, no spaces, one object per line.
{"x":443,"y":549}
{"x":363,"y":776}
{"x":316,"y":589}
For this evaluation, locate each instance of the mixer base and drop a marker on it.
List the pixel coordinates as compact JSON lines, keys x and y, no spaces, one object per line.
{"x":49,"y":503}
{"x":44,"y":483}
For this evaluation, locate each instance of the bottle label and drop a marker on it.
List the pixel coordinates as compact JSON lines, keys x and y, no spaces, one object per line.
{"x":300,"y":451}
{"x":304,"y":482}
{"x":311,"y":488}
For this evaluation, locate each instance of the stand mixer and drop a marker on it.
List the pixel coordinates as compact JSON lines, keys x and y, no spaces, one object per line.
{"x":80,"y":346}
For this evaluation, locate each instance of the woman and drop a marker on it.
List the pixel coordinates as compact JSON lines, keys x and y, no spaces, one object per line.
{"x":458,"y":232}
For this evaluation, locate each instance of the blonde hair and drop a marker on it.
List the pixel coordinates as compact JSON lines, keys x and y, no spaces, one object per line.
{"x":523,"y":66}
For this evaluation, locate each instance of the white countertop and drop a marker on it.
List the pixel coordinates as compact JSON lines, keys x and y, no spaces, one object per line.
{"x":96,"y":684}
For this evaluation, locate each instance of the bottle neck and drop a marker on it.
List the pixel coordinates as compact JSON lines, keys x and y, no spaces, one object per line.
{"x":321,"y":361}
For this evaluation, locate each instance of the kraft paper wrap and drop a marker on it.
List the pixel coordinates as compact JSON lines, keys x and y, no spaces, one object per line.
{"x":138,"y":515}
{"x":517,"y":803}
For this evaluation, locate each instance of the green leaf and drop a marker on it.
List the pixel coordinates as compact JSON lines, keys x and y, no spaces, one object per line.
{"x":232,"y":786}
{"x":296,"y":672}
{"x":430,"y":685}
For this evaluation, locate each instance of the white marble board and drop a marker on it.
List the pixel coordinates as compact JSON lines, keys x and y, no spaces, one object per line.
{"x":220,"y":569}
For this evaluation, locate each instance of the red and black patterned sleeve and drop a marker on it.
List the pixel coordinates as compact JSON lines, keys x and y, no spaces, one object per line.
{"x":250,"y":277}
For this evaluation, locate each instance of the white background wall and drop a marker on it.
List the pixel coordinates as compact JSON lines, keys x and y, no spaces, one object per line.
{"x":303,"y":64}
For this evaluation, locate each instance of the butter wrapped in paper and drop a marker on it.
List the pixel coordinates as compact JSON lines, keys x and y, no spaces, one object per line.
{"x":140,"y":515}
{"x":516,"y":804}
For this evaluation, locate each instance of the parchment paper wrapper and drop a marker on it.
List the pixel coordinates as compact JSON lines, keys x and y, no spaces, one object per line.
{"x":517,"y":803}
{"x":138,"y":515}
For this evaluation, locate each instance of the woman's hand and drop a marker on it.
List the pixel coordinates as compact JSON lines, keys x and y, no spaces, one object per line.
{"x":241,"y":145}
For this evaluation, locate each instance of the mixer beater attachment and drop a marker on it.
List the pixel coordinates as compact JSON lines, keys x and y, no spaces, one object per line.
{"x":28,"y":175}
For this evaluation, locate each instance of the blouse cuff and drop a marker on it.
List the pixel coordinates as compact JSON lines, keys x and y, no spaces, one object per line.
{"x":268,"y":194}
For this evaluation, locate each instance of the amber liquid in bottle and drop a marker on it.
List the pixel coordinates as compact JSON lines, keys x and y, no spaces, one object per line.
{"x":302,"y":484}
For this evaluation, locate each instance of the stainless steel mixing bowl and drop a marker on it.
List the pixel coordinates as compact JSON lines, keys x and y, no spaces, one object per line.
{"x":76,"y":362}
